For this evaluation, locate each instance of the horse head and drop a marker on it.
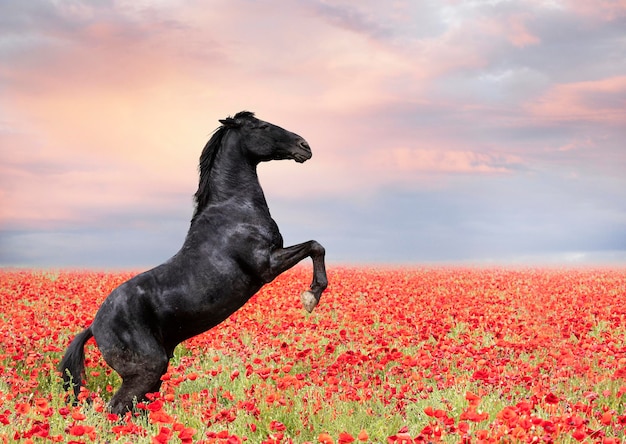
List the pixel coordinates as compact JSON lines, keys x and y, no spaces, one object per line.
{"x":249,"y":140}
{"x":264,"y":141}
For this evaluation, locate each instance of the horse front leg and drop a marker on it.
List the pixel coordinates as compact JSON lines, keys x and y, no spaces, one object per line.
{"x":283,"y":259}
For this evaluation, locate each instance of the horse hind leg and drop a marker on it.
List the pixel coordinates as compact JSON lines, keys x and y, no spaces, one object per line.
{"x":140,"y":374}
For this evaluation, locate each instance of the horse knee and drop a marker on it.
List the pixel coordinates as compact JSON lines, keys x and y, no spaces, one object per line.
{"x":317,"y":249}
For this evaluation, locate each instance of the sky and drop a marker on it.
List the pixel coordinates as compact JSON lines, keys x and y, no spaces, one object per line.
{"x":443,"y":131}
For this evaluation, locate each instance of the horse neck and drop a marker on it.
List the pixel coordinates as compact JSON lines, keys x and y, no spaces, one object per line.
{"x":234,"y":176}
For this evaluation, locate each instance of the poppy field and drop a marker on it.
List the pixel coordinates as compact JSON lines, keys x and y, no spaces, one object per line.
{"x":390,"y":355}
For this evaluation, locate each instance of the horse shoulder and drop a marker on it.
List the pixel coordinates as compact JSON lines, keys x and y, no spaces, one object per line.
{"x":244,"y":235}
{"x":251,"y":242}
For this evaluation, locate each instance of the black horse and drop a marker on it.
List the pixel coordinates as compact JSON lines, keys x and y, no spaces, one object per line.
{"x":232,"y":249}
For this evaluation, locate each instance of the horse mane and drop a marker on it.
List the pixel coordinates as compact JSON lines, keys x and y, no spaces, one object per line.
{"x":207,"y":158}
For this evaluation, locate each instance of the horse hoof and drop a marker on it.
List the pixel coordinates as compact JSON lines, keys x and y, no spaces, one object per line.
{"x":309,"y":302}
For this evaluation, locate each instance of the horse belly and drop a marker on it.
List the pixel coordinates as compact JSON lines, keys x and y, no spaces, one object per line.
{"x":173,"y":302}
{"x":204,"y":307}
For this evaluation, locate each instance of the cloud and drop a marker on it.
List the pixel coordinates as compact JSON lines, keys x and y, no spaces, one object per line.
{"x":43,"y":192}
{"x":89,"y":247}
{"x":440,"y":161}
{"x":407,"y":105}
{"x":351,"y":18}
{"x":603,"y":10}
{"x":512,"y":28}
{"x":600,"y":101}
{"x":91,"y":204}
{"x":538,"y":220}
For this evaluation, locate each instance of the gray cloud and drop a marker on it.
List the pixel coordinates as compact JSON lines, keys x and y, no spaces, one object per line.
{"x":497,"y":220}
{"x":400,"y":23}
{"x":509,"y":219}
{"x":351,"y":18}
{"x":573,"y":49}
{"x":90,"y":247}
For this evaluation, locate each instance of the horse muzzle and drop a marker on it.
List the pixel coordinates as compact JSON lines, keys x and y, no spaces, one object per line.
{"x":302,"y":153}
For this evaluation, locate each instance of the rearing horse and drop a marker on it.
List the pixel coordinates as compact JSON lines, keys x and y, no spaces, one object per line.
{"x":232,"y":249}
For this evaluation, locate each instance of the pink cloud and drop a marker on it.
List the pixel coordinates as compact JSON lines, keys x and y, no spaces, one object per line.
{"x":575,"y":145}
{"x":596,"y":101}
{"x":147,"y":93}
{"x":512,"y":28}
{"x":518,"y":33}
{"x":438,"y":161}
{"x":140,"y":92}
{"x":605,"y":10}
{"x":56,"y":194}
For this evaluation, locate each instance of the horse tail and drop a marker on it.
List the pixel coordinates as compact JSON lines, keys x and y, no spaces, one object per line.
{"x":72,"y":365}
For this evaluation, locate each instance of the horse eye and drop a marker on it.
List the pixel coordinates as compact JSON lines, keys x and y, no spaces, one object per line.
{"x":264,"y":126}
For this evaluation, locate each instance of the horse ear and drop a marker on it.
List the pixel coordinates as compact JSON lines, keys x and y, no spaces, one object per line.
{"x":229,"y":122}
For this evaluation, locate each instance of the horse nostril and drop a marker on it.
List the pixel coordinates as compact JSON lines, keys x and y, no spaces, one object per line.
{"x":305,"y":145}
